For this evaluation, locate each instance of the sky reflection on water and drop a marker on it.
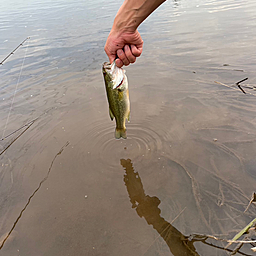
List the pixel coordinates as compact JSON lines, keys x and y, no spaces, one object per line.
{"x":192,"y":141}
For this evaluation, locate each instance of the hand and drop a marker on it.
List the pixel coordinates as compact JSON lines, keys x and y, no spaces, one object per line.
{"x":124,"y":47}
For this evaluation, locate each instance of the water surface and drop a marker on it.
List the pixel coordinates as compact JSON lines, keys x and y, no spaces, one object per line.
{"x":188,"y":165}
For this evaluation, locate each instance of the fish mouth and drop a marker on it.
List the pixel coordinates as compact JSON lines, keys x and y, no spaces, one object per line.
{"x":108,"y":65}
{"x":106,"y":68}
{"x":116,"y":74}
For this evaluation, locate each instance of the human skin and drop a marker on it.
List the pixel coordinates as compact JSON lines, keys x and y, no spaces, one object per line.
{"x":124,"y":43}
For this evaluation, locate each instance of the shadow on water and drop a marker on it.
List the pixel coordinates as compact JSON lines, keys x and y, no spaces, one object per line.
{"x":147,"y":206}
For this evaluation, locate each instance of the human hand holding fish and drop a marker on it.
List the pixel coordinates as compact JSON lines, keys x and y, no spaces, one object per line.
{"x":124,"y":43}
{"x":123,"y":47}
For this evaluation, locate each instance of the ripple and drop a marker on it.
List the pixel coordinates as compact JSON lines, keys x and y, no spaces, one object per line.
{"x":142,"y":142}
{"x":218,"y":6}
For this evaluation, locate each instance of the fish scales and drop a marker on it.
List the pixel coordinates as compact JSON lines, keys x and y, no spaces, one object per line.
{"x":118,"y":97}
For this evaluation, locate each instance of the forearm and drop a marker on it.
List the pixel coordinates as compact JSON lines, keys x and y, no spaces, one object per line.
{"x":133,"y":12}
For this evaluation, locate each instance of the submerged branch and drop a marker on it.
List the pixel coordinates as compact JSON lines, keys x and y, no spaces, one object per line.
{"x":33,"y":194}
{"x":222,"y":248}
{"x":253,"y":200}
{"x":201,"y":237}
{"x":243,"y":231}
{"x":238,"y":85}
{"x":29,"y":125}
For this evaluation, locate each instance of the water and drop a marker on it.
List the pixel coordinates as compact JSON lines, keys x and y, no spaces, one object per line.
{"x":188,"y":165}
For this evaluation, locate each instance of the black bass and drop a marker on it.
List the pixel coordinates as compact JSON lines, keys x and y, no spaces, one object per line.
{"x":118,"y":96}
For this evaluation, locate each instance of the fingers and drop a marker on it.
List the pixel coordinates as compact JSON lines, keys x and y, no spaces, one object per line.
{"x":119,"y":63}
{"x":131,"y":58}
{"x":136,"y":51}
{"x":123,"y":47}
{"x":112,"y":58}
{"x":122,"y":56}
{"x":127,"y":55}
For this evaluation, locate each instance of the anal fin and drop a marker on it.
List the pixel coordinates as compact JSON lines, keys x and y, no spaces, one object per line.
{"x":111,"y":114}
{"x":129,"y":116}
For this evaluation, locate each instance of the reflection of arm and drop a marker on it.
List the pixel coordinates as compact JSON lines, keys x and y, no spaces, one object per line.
{"x":133,"y":12}
{"x":179,"y":246}
{"x":147,"y":207}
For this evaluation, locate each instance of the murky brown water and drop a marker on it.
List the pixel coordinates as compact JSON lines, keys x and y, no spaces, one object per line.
{"x":188,"y":165}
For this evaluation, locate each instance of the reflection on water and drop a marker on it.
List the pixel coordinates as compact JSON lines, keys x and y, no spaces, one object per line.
{"x":147,"y":207}
{"x":193,"y":141}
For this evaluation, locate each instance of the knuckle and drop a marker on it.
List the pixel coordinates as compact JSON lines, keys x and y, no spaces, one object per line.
{"x":120,"y":64}
{"x":121,"y":54}
{"x":133,"y":60}
{"x":137,"y":54}
{"x":123,"y":58}
{"x":126,"y":62}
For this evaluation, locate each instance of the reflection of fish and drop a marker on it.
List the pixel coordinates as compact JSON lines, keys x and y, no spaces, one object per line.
{"x":118,"y":96}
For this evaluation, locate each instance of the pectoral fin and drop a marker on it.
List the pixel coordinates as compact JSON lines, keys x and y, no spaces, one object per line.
{"x":111,"y":114}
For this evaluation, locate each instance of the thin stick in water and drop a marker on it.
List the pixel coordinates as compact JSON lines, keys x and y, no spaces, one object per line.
{"x":2,"y":62}
{"x":238,"y":84}
{"x":16,"y":88}
{"x":27,"y":124}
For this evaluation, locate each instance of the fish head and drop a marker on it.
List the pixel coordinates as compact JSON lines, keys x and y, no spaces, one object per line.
{"x":114,"y":76}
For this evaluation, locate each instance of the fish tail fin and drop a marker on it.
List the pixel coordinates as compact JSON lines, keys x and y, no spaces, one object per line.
{"x":120,"y":133}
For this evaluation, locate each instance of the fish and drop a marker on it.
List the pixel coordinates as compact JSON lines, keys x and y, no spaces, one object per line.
{"x":116,"y":84}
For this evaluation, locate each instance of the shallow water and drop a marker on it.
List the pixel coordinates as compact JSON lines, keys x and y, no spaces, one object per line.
{"x":188,"y":166}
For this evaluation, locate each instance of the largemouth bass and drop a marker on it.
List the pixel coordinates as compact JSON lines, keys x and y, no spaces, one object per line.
{"x":118,"y":96}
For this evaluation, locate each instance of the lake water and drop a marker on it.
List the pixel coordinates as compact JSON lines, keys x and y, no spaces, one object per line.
{"x":67,"y":187}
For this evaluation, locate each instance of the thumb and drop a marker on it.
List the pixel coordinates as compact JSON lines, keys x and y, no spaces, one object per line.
{"x":111,"y":58}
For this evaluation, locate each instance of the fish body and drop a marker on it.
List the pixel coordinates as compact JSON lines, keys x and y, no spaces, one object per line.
{"x":118,"y":96}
